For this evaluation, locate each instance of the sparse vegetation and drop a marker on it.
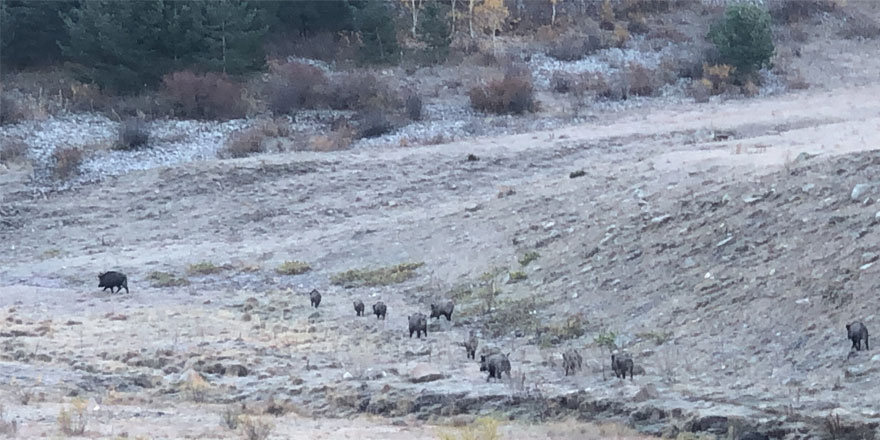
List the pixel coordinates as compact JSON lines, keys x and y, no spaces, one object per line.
{"x":483,"y":428}
{"x":204,"y":268}
{"x":203,"y":96}
{"x":253,"y":428}
{"x":8,"y":428}
{"x":511,"y":95}
{"x":66,"y":162}
{"x":517,"y":275}
{"x":195,"y":387}
{"x":230,"y":416}
{"x":293,"y":268}
{"x":528,"y":257}
{"x":243,"y":143}
{"x":376,"y":277}
{"x":294,"y":86}
{"x":72,"y":420}
{"x":656,"y":336}
{"x":166,"y":279}
{"x":134,"y":133}
{"x":13,"y":151}
{"x":374,"y":123}
{"x":413,"y":105}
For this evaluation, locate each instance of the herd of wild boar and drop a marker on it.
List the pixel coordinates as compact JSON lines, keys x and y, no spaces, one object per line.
{"x":494,"y":362}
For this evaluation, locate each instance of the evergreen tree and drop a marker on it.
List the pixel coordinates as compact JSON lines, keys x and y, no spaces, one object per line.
{"x":30,"y":32}
{"x":306,"y":17}
{"x":378,"y":32}
{"x":434,"y":30}
{"x":743,"y":37}
{"x":111,"y":43}
{"x":233,"y":39}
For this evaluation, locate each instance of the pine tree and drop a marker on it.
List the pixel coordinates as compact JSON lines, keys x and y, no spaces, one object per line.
{"x":233,"y":37}
{"x":434,"y":30}
{"x":30,"y":32}
{"x":378,"y":33}
{"x":109,"y":45}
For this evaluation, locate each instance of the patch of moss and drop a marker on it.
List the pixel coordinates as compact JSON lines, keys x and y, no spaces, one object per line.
{"x":517,"y":276}
{"x":165,"y":279}
{"x":293,"y":268}
{"x":659,"y":337}
{"x":204,"y":268}
{"x":528,"y":257}
{"x":376,"y":277}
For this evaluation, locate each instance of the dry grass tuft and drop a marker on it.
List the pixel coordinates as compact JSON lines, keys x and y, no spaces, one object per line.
{"x":376,"y":277}
{"x":293,"y":268}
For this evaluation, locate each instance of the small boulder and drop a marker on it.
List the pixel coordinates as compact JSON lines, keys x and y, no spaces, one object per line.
{"x":424,"y":373}
{"x":647,"y":392}
{"x":860,"y":190}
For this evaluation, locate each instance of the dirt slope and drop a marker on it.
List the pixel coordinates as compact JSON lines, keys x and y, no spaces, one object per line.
{"x":725,"y":260}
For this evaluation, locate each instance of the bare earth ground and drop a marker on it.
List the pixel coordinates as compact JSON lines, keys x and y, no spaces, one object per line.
{"x":727,"y":267}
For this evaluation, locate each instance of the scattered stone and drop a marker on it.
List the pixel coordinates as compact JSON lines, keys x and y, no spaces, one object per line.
{"x":860,"y":190}
{"x":647,"y":392}
{"x":688,"y":263}
{"x":425,"y":373}
{"x":576,"y":174}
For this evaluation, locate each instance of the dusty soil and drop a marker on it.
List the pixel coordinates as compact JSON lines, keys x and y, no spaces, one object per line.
{"x":720,"y":243}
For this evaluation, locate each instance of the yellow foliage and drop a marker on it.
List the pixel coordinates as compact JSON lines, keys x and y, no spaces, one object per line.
{"x":72,"y":421}
{"x":717,"y":77}
{"x":621,"y":35}
{"x":491,"y":14}
{"x":484,"y":428}
{"x":606,"y":13}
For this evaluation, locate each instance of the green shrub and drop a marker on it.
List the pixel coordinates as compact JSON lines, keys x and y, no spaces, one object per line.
{"x":293,"y":268}
{"x":377,"y":277}
{"x":743,"y":37}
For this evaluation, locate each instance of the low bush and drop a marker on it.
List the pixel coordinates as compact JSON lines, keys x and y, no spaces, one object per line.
{"x":210,"y":96}
{"x":13,"y":150}
{"x":243,"y":143}
{"x":641,"y":81}
{"x":562,"y":82}
{"x":358,"y":91}
{"x":513,"y":94}
{"x":860,"y":27}
{"x":10,"y":113}
{"x":294,"y":86}
{"x":743,"y":37}
{"x":293,"y":268}
{"x":134,"y":133}
{"x":66,"y":162}
{"x":792,"y":11}
{"x":374,"y":123}
{"x":573,"y":49}
{"x":413,"y":106}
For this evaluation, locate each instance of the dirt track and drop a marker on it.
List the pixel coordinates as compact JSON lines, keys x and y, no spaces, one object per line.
{"x":608,"y":257}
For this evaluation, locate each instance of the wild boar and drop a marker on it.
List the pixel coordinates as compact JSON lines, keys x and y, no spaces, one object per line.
{"x":857,"y":332}
{"x":418,"y":324}
{"x":379,"y":310}
{"x":495,"y":364}
{"x":443,"y":309}
{"x":315,"y":298}
{"x":620,"y":364}
{"x":111,"y":280}
{"x":358,"y":307}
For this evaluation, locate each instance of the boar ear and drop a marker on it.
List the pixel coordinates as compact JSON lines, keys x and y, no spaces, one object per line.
{"x":847,"y":326}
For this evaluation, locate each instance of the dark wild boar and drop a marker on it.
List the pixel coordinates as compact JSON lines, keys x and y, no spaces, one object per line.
{"x":444,"y":309}
{"x":471,"y":346}
{"x":571,"y":361}
{"x":379,"y":310}
{"x":495,"y":364}
{"x":315,"y":298}
{"x":857,"y":332}
{"x":358,"y":307}
{"x":111,"y":280}
{"x":620,"y":364}
{"x":418,"y":324}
